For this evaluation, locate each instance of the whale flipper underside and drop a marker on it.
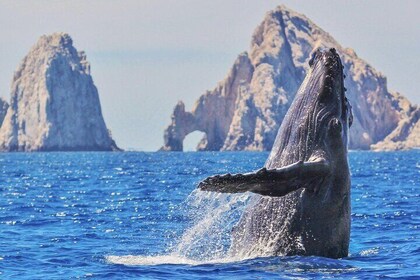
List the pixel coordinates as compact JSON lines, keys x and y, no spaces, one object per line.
{"x":270,"y":182}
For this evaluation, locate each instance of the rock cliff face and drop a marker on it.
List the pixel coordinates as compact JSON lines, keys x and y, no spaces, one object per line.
{"x":246,"y":109}
{"x":54,"y":102}
{"x":213,"y":112}
{"x":3,"y":109}
{"x":407,"y":133}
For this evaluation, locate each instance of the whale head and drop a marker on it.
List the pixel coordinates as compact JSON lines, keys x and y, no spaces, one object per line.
{"x":319,"y":117}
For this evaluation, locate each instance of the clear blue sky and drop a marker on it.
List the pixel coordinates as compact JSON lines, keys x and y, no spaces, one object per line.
{"x":147,"y":55}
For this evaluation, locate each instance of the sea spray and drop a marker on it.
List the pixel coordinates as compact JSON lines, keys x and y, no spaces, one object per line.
{"x":206,"y":239}
{"x":213,"y":216}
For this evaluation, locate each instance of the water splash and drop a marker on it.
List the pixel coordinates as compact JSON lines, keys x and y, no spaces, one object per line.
{"x":214,"y":215}
{"x":207,"y":239}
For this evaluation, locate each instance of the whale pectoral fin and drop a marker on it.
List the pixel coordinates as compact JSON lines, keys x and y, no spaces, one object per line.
{"x":270,"y":182}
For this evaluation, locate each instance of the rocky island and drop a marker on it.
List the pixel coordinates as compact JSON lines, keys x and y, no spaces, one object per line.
{"x":54,"y":103}
{"x":245,"y":109}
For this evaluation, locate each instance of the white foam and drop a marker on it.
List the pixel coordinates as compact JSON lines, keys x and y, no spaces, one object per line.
{"x":370,"y":252}
{"x":131,"y":260}
{"x":149,"y":260}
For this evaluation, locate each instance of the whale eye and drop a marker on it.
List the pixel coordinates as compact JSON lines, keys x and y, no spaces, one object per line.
{"x":335,"y":127}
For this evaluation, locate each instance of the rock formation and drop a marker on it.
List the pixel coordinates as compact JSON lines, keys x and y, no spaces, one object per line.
{"x":54,"y":102}
{"x":245,"y":110}
{"x":3,"y":109}
{"x":213,"y":112}
{"x":407,"y":133}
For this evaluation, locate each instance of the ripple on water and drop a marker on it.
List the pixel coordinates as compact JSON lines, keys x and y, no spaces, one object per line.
{"x":128,"y":215}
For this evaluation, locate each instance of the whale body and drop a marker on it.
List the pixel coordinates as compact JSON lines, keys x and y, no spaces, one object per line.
{"x":303,"y":202}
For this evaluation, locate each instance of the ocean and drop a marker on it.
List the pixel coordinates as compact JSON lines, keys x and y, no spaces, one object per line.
{"x":137,"y":215}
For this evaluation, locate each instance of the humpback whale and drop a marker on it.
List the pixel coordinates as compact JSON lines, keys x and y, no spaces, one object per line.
{"x":303,"y":201}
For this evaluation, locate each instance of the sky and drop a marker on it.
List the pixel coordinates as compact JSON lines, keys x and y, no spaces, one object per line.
{"x":146,"y":55}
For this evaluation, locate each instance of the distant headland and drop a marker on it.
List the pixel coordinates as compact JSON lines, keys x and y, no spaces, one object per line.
{"x":244,"y":111}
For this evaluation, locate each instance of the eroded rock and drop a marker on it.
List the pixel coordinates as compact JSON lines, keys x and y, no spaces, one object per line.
{"x":54,"y":102}
{"x":246,"y":109}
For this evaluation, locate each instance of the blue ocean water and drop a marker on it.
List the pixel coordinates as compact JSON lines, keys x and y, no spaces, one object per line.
{"x":133,"y":215}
